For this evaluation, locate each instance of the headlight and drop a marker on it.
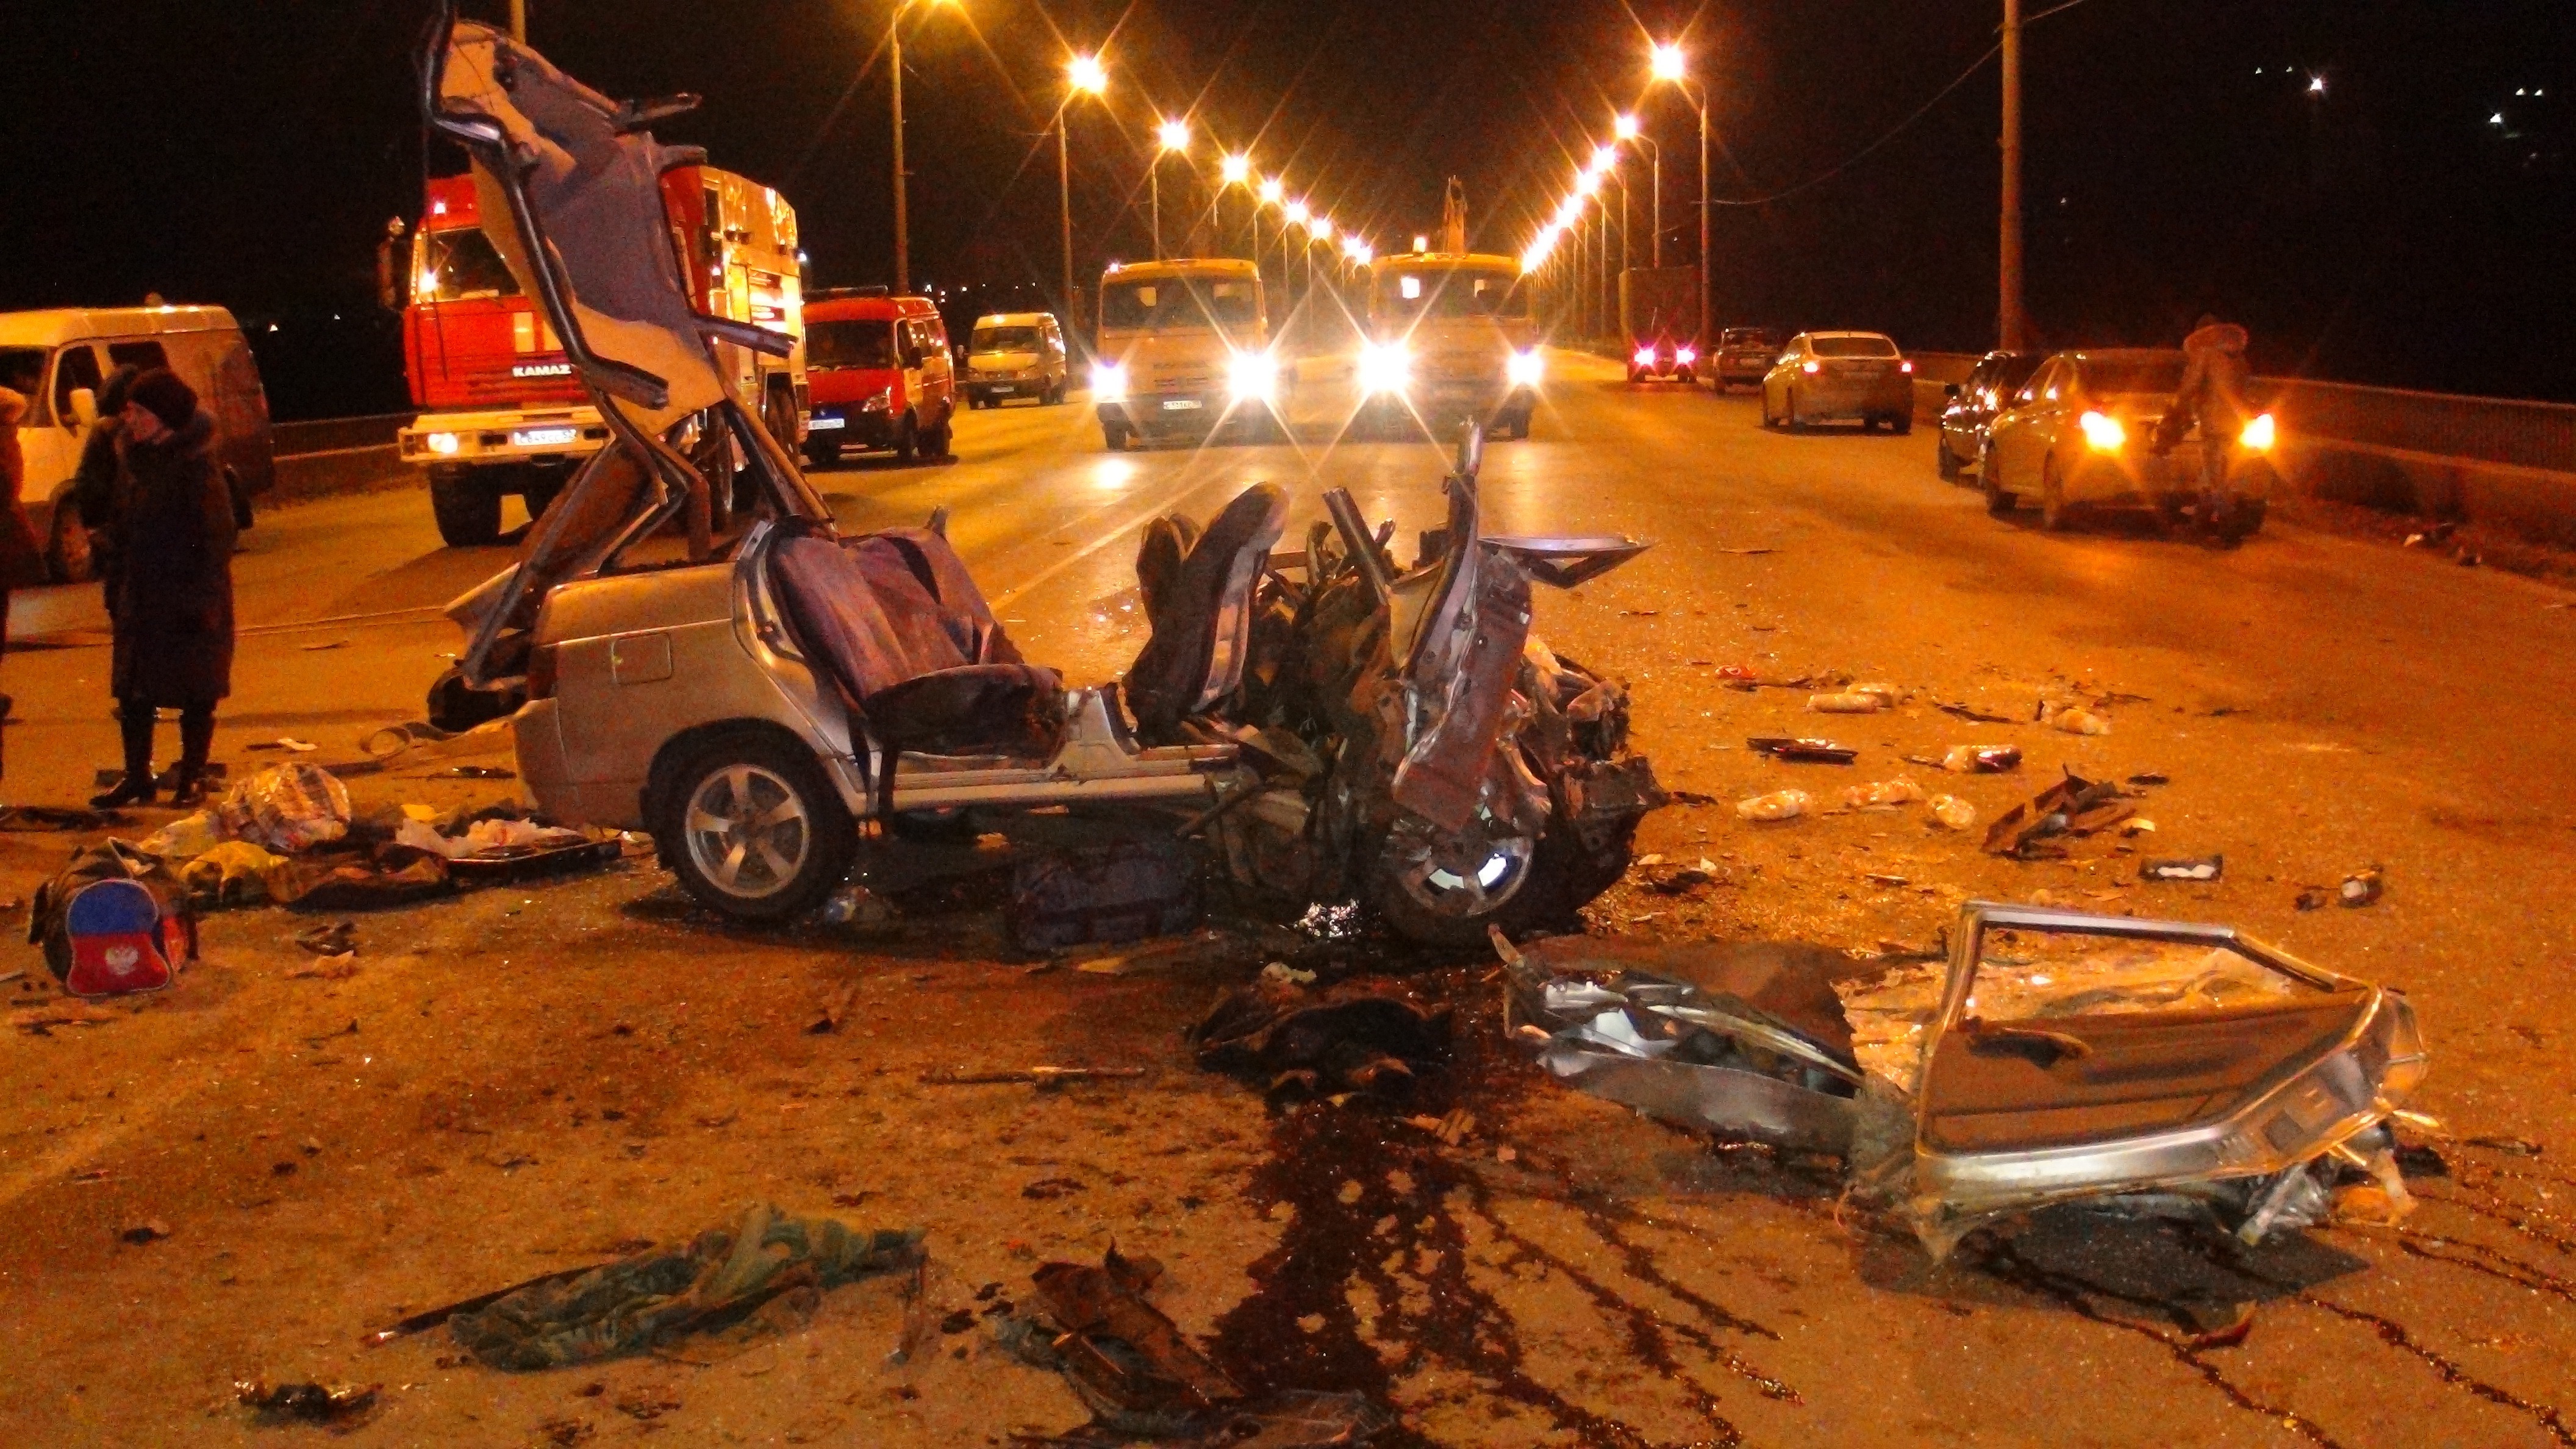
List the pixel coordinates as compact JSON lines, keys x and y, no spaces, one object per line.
{"x":878,"y":402}
{"x":1108,"y":382}
{"x":1252,"y":376}
{"x":1523,"y":369}
{"x":1384,"y":368}
{"x":2258,"y":433}
{"x":1645,"y":357}
{"x":2103,"y":432}
{"x":442,"y":443}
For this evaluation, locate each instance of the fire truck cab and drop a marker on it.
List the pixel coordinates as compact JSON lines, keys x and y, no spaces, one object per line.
{"x":501,"y":411}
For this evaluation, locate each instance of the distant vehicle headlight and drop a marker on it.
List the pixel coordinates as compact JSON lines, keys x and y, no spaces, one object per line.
{"x":2258,"y":434}
{"x":442,"y":443}
{"x":2103,"y":432}
{"x":1385,"y":367}
{"x":1252,"y":376}
{"x":1108,"y":382}
{"x":1645,"y":357}
{"x":1524,"y":369}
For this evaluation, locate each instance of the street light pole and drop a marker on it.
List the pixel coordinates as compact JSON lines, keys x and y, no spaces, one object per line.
{"x":902,"y":226}
{"x":519,"y":21}
{"x":2009,"y":323}
{"x":1701,"y":104}
{"x":1083,"y":76}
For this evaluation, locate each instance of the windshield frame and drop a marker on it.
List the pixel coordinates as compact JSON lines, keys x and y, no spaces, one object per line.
{"x":1191,"y":308}
{"x":1388,"y":304}
{"x":1014,"y":337}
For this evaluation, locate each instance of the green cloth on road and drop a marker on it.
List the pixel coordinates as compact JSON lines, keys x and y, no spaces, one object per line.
{"x":661,"y":1294}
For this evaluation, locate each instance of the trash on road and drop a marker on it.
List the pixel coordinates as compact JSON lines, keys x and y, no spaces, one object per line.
{"x":47,"y":819}
{"x":336,"y":938}
{"x":1822,"y":752}
{"x":287,"y":808}
{"x":1778,"y":805}
{"x":392,"y":875}
{"x":1982,"y":759}
{"x":2202,"y":868}
{"x":2315,"y":897}
{"x":659,"y":1295}
{"x":1045,"y":1079}
{"x":229,"y":873}
{"x":151,"y":1230}
{"x":1141,"y":1377}
{"x":1359,"y":1039}
{"x":2077,"y":721}
{"x":309,"y":1403}
{"x":1888,"y":695}
{"x":2363,"y":887}
{"x":1120,"y":892}
{"x":1952,"y":813}
{"x":1974,"y":715}
{"x":2074,"y":806}
{"x":1847,"y":702}
{"x":1881,"y":795}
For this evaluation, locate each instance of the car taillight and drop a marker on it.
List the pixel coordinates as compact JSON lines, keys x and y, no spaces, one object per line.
{"x":541,"y":672}
{"x":1905,"y":367}
{"x":2258,"y":434}
{"x":1811,"y":365}
{"x":1686,"y":357}
{"x":2103,"y":432}
{"x":1645,"y":357}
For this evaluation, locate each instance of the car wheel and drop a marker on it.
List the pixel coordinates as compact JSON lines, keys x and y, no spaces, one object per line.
{"x":1998,"y":502}
{"x":467,"y":507}
{"x":1901,"y":424}
{"x":822,"y":455}
{"x":2053,"y":508}
{"x":754,"y":829}
{"x":1113,"y":436}
{"x":1789,"y":419}
{"x":67,"y":555}
{"x":935,"y":442}
{"x":907,"y":439}
{"x":1945,"y":460}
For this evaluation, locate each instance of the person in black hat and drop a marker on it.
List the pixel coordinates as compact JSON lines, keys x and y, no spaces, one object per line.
{"x":172,"y":536}
{"x":93,"y":489}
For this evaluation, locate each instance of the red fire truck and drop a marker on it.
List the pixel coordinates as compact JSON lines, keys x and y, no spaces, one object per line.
{"x":501,"y":413}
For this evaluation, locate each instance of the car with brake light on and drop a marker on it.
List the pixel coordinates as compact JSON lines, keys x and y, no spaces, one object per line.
{"x":879,"y":375}
{"x":1185,"y":353}
{"x":1449,"y":338}
{"x":2080,"y":435}
{"x":1015,"y":354}
{"x":1744,"y":354}
{"x":1840,"y":377}
{"x":1663,"y":360}
{"x":1971,"y":404}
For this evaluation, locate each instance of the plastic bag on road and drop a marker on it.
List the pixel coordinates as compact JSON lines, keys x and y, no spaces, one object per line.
{"x":287,"y":808}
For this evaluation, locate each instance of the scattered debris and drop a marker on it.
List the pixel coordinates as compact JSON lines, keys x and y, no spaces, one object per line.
{"x":286,"y":808}
{"x":2075,"y":721}
{"x":1952,"y":813}
{"x":1045,"y":1079}
{"x":1973,"y":714}
{"x":2434,"y":536}
{"x":1822,"y":752}
{"x":2231,"y":1335}
{"x":827,"y":1018}
{"x":720,"y":1278}
{"x":1882,"y":795}
{"x":113,"y":922}
{"x":2363,"y":887}
{"x":855,"y":905}
{"x":2314,"y":897}
{"x":1846,"y":703}
{"x":1686,"y":879}
{"x":1982,"y":759}
{"x":2074,"y":806}
{"x":2151,"y":777}
{"x":1119,"y":892}
{"x":1451,"y":1129}
{"x":285,"y":742}
{"x":2137,"y":827}
{"x":1280,"y":973}
{"x":31,"y":819}
{"x":310,"y":1403}
{"x":151,"y":1230}
{"x":337,"y":938}
{"x":2203,"y":868}
{"x":1888,"y":695}
{"x":1360,"y":1040}
{"x":1778,"y":805}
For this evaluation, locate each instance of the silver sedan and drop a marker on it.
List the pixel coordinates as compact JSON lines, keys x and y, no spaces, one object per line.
{"x":1840,"y":376}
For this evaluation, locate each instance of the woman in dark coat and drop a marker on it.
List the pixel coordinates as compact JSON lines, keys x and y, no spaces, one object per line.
{"x":173,"y":536}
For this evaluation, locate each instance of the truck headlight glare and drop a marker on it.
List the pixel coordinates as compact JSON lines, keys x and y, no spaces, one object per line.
{"x":1252,"y":376}
{"x":1108,"y":382}
{"x":442,"y":444}
{"x":1384,"y":368}
{"x":2258,"y":434}
{"x":1523,"y":369}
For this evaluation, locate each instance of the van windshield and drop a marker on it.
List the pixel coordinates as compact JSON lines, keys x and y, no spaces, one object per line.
{"x":860,"y":343}
{"x":460,"y":264}
{"x":1451,"y":292}
{"x":1005,"y":339}
{"x":1171,"y":302}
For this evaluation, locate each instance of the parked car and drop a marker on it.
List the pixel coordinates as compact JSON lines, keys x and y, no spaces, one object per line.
{"x":1840,"y":376}
{"x":1744,"y":354}
{"x":68,"y":352}
{"x":1973,"y":403}
{"x":1015,"y":354}
{"x":1663,"y":360}
{"x":2077,"y":435}
{"x":878,"y":375}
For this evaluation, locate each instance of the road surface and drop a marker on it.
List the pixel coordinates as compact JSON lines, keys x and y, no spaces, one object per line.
{"x":517,"y":1081}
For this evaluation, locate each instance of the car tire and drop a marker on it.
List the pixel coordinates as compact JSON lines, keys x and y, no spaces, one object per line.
{"x":1945,"y":460}
{"x":1113,"y":436}
{"x":1789,"y":420}
{"x":1768,"y":421}
{"x":1998,"y":502}
{"x":821,"y":455}
{"x":467,"y":507}
{"x":751,"y":825}
{"x":907,"y":439}
{"x":935,"y":443}
{"x":2054,"y":510}
{"x":67,"y":556}
{"x":1902,"y":425}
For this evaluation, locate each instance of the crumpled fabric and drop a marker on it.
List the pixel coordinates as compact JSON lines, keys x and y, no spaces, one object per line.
{"x":287,"y":808}
{"x":661,"y":1294}
{"x":186,"y":837}
{"x":230,"y":873}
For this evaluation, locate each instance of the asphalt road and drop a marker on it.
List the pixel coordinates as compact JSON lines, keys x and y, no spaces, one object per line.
{"x":522,"y":1080}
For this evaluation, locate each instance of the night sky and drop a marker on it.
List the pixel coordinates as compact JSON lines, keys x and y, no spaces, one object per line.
{"x":2411,"y":225}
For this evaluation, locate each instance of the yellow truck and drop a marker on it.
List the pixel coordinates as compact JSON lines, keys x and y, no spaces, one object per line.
{"x":1450,"y":337}
{"x":1185,"y":351}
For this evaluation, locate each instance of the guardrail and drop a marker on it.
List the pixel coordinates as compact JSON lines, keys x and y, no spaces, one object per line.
{"x":337,"y":455}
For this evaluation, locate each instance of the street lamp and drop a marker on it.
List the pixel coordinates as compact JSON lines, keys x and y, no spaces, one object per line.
{"x":1667,"y":61}
{"x":1235,"y":169}
{"x":1083,"y":76}
{"x":902,"y":226}
{"x":1629,"y":130}
{"x":1173,"y":135}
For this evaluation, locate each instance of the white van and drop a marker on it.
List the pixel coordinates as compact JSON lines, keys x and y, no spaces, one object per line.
{"x":1015,"y":354}
{"x":70,"y":351}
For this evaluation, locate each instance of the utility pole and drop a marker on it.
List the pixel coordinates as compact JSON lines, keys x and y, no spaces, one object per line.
{"x":519,"y":21}
{"x":902,"y":228}
{"x":2010,"y":325}
{"x":1064,"y":194}
{"x":1704,"y":273}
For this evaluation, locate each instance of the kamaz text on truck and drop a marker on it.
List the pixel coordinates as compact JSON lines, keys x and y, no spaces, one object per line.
{"x":501,"y":412}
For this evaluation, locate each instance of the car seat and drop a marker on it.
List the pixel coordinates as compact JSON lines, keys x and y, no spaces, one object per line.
{"x":1198,"y":589}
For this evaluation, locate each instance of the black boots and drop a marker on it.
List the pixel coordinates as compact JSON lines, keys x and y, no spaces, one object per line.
{"x":134,"y":722}
{"x":196,"y":741}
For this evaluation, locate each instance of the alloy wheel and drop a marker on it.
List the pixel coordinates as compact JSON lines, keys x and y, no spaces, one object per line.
{"x":748,"y":830}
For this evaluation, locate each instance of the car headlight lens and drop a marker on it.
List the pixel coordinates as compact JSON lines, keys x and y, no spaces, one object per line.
{"x":1645,"y":357}
{"x":2258,"y":434}
{"x":1523,"y":369}
{"x":878,"y":402}
{"x":1685,"y":357}
{"x":1252,"y":376}
{"x":1108,"y":382}
{"x":1384,"y":368}
{"x":2103,"y":432}
{"x":442,"y":443}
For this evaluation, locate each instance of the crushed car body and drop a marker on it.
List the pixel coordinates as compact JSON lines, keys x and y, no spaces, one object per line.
{"x":2056,"y":1056}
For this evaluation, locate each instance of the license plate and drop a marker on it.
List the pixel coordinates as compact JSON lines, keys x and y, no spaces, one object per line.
{"x":824,"y":425}
{"x":544,"y":437}
{"x":1179,"y":404}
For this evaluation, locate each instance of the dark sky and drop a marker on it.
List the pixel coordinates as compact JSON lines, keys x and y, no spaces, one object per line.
{"x":2388,"y":230}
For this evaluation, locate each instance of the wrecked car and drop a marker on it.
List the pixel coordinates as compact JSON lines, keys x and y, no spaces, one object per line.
{"x":1335,"y":726}
{"x":2056,"y":1056}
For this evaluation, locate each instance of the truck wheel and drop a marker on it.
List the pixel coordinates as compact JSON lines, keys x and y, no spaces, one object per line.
{"x":468,"y":508}
{"x":67,"y":555}
{"x":753,"y":828}
{"x":907,"y":439}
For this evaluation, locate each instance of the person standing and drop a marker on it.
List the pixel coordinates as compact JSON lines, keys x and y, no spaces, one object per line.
{"x":2212,"y":394}
{"x":94,"y":481}
{"x":172,"y":533}
{"x":22,"y":557}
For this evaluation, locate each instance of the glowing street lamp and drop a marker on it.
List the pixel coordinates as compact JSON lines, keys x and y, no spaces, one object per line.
{"x":1668,"y":66}
{"x":1236,"y":169}
{"x":1172,"y":135}
{"x":1271,"y":191}
{"x":1668,"y":63}
{"x":1084,"y":75}
{"x":1628,"y":129}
